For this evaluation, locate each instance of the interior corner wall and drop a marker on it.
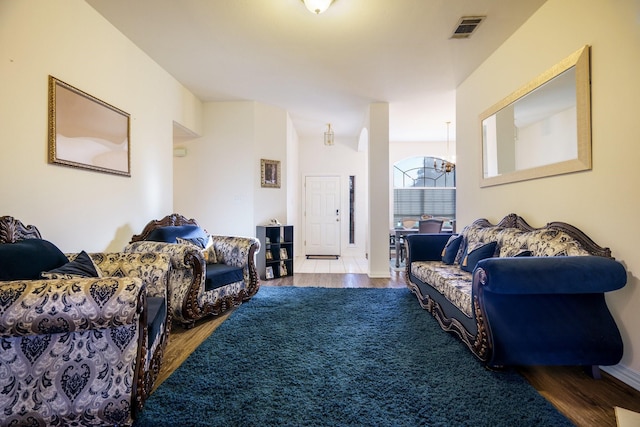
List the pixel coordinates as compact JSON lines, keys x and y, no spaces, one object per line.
{"x":602,"y":202}
{"x":219,"y":163}
{"x":294,"y":207}
{"x":77,"y":208}
{"x":378,"y":165}
{"x":218,"y":181}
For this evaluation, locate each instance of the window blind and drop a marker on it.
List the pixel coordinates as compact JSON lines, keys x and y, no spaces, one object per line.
{"x":414,"y":202}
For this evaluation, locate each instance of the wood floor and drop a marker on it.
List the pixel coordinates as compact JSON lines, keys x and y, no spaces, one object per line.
{"x":585,"y":401}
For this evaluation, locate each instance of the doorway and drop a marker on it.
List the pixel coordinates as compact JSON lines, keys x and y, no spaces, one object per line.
{"x":322,"y":216}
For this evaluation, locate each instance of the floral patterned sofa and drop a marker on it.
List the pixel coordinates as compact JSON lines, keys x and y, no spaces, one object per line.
{"x":77,"y":349}
{"x":519,"y":295}
{"x":200,"y":287}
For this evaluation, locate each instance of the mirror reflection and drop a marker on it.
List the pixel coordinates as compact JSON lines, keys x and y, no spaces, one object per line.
{"x":543,"y":129}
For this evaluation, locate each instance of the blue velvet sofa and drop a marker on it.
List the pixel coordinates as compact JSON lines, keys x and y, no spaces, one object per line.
{"x":210,"y":274}
{"x":518,"y":295}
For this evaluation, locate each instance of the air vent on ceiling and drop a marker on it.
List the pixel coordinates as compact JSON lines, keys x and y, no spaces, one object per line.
{"x":466,"y":26}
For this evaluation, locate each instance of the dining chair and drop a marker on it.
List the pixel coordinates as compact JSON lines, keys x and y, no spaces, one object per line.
{"x":430,"y":226}
{"x":409,"y":222}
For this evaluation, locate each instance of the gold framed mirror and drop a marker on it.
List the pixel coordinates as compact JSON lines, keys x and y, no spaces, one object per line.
{"x":543,"y":128}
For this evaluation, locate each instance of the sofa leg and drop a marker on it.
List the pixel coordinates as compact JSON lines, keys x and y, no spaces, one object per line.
{"x":188,"y":325}
{"x":593,"y":371}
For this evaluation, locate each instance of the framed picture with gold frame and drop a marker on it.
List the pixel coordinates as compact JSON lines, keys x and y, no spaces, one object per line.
{"x":270,"y":173}
{"x":85,"y":132}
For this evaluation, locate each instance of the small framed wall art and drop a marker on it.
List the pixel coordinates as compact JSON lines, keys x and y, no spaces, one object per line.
{"x":270,"y":173}
{"x":85,"y":132}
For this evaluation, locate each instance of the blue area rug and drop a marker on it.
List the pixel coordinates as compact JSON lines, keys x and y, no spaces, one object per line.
{"x":340,"y":357}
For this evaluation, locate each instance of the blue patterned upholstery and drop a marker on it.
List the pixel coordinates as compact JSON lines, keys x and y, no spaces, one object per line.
{"x":80,"y":350}
{"x":101,"y":374}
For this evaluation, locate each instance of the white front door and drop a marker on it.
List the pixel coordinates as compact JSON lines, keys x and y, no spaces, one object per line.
{"x":322,"y":215}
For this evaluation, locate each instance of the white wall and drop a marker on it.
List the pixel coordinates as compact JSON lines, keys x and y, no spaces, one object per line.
{"x":80,"y":209}
{"x":218,"y":181}
{"x":271,"y":134}
{"x":602,"y":202}
{"x":404,"y":150}
{"x":378,"y":209}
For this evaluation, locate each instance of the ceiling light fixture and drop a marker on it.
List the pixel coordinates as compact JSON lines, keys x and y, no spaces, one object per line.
{"x":446,"y":166}
{"x":328,"y":135}
{"x":317,"y":6}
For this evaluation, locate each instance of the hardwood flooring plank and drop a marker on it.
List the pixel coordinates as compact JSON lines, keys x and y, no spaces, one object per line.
{"x":182,"y":342}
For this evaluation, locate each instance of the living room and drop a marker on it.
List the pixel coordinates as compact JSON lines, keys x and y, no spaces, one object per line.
{"x":100,"y":212}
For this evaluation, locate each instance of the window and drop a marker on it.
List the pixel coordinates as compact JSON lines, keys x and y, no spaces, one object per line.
{"x":420,"y":189}
{"x":352,"y":209}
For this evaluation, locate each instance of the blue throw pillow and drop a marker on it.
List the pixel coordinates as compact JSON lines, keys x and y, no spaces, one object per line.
{"x":451,"y":249}
{"x":470,"y":260}
{"x":523,"y":253}
{"x":81,"y":266}
{"x":169,"y":233}
{"x":26,"y":259}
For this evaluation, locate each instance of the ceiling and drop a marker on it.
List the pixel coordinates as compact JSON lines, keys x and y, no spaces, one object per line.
{"x":323,"y":68}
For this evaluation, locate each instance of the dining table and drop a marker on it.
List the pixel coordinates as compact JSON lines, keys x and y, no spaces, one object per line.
{"x":400,"y":233}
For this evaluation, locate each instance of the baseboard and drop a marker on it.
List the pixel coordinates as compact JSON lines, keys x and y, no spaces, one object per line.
{"x":624,"y":374}
{"x":379,"y":275}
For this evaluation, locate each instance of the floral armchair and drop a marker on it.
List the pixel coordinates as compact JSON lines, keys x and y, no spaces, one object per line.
{"x":200,"y":287}
{"x":77,"y":350}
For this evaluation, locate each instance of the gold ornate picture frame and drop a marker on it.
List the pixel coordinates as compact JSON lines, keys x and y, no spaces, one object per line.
{"x":87,"y":133}
{"x":270,"y":173}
